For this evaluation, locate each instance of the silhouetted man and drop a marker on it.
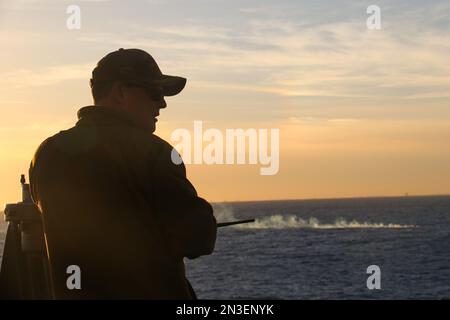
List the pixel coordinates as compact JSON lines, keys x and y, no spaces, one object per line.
{"x":113,"y":203}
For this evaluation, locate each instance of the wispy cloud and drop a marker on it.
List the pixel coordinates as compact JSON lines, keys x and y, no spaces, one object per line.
{"x":24,"y":128}
{"x":291,"y":50}
{"x":45,"y":76}
{"x":339,"y":59}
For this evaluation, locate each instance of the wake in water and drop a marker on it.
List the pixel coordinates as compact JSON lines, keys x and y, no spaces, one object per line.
{"x":291,"y":221}
{"x":224,"y":213}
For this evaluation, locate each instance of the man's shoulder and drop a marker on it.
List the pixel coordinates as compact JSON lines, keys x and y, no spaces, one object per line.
{"x":74,"y":142}
{"x":165,"y":149}
{"x":169,"y":158}
{"x":50,"y":144}
{"x":160,"y":142}
{"x":50,"y":141}
{"x":68,"y":134}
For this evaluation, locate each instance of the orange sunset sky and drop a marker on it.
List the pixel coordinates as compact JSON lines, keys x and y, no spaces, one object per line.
{"x":360,"y":112}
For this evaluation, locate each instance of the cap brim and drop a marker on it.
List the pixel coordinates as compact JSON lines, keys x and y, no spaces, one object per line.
{"x":171,"y":85}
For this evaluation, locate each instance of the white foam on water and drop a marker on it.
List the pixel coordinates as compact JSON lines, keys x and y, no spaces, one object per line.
{"x":293,"y":222}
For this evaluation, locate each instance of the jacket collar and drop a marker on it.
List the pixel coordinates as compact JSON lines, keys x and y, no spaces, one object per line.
{"x":104,"y":116}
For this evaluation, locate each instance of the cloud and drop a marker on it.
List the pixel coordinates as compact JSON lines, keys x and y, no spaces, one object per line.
{"x":290,"y":49}
{"x":24,"y":128}
{"x":13,"y":102}
{"x":45,"y":76}
{"x":330,"y":57}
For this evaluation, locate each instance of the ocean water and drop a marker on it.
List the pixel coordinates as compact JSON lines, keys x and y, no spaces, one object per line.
{"x":321,"y":249}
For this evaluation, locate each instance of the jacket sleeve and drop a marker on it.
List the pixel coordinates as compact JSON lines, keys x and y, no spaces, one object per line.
{"x":187,"y":220}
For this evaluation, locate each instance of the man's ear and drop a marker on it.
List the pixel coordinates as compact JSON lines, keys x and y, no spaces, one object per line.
{"x":118,"y":92}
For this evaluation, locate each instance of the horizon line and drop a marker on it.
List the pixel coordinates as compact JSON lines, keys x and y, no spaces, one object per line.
{"x":330,"y":198}
{"x":339,"y":198}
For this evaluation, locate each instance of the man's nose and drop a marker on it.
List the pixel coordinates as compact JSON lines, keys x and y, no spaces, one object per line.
{"x":163,"y":104}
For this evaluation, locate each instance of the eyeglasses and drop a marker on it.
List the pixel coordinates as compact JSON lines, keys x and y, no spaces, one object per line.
{"x":155,"y":93}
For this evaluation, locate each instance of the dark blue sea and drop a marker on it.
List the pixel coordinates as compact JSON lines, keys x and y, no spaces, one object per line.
{"x":321,"y":249}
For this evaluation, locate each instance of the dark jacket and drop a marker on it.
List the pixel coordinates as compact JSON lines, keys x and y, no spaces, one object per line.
{"x":114,"y":204}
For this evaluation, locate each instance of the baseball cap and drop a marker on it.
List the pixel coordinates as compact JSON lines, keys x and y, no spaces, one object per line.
{"x":135,"y":66}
